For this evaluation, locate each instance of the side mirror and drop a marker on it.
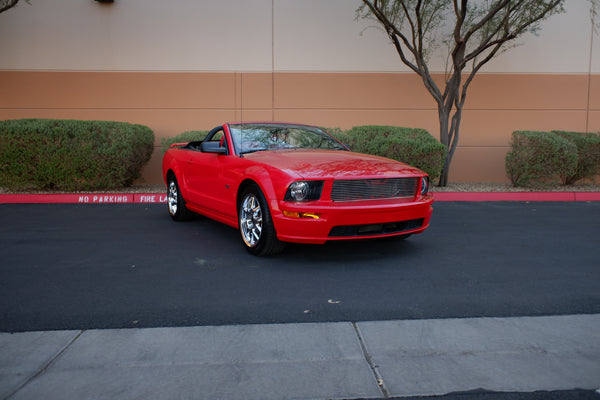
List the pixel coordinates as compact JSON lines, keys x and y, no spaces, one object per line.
{"x":213,"y":147}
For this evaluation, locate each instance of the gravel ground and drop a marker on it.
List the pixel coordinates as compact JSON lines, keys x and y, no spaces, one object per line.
{"x":507,"y":187}
{"x":452,"y":187}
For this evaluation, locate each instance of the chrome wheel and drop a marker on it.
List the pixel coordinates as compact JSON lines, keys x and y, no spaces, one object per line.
{"x":251,"y":220}
{"x":172,"y":197}
{"x":175,"y":202}
{"x":255,"y":223}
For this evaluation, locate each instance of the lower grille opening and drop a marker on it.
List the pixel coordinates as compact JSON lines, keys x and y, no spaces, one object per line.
{"x":375,"y":229}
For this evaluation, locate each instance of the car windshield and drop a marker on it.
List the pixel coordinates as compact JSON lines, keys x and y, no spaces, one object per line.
{"x":248,"y":138}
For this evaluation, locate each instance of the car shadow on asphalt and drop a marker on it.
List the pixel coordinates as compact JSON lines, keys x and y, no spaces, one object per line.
{"x":330,"y":254}
{"x":352,"y":250}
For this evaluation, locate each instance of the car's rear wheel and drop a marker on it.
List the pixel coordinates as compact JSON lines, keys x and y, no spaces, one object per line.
{"x":256,"y":225}
{"x":177,"y":209}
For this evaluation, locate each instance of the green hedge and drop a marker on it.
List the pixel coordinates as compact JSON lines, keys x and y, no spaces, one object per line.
{"x":539,"y":157}
{"x":588,"y":155}
{"x":72,"y":155}
{"x":410,"y":145}
{"x":189,"y":136}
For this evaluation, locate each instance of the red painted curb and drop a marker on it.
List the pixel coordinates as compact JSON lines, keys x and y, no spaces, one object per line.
{"x":146,"y":198}
{"x":150,"y":198}
{"x":587,"y":196}
{"x":84,"y":198}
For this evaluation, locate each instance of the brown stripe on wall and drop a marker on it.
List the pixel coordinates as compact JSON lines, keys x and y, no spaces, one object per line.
{"x":171,"y":103}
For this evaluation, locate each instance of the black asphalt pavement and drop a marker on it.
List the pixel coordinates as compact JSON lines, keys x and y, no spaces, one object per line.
{"x":120,"y":266}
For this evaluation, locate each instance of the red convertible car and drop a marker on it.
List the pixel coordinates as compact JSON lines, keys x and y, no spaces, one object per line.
{"x":280,"y":183}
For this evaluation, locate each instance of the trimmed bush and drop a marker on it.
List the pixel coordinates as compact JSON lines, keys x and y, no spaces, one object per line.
{"x":189,"y":136}
{"x":337,"y":133}
{"x":71,"y":155}
{"x":539,"y":157}
{"x":588,"y":155}
{"x":409,"y":145}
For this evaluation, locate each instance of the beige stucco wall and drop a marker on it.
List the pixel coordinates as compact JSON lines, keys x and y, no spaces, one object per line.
{"x":242,"y":35}
{"x":187,"y":64}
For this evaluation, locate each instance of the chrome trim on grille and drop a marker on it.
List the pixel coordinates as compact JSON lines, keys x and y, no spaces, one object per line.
{"x":374,"y":189}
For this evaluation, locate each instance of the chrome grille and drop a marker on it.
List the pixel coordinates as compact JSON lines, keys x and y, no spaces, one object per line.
{"x":373,"y":189}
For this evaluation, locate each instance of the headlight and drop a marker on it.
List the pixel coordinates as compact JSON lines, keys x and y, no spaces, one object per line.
{"x":424,"y":185}
{"x":304,"y":191}
{"x":298,"y":190}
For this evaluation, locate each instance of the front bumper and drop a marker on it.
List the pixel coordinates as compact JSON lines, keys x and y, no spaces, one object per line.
{"x":351,"y":220}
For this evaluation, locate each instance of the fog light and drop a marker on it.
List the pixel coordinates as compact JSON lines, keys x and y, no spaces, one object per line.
{"x":296,"y":214}
{"x":309,"y":215}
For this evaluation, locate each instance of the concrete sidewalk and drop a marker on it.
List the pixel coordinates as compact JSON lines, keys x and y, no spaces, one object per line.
{"x":304,"y":361}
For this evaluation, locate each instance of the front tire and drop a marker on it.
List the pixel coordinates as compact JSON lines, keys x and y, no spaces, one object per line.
{"x":175,"y":202}
{"x":256,"y":225}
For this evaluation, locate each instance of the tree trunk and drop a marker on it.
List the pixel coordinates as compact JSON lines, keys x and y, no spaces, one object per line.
{"x":444,"y":117}
{"x":445,"y":172}
{"x":449,"y":133}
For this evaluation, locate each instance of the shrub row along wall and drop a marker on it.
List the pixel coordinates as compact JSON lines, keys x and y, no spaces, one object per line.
{"x":188,"y":136}
{"x":169,"y":103}
{"x":412,"y":146}
{"x":72,"y":155}
{"x":547,"y":157}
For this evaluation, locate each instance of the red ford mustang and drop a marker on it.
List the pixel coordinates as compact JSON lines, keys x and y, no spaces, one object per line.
{"x":280,"y":183}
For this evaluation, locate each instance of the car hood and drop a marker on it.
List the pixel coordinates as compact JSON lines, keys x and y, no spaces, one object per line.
{"x":312,"y":164}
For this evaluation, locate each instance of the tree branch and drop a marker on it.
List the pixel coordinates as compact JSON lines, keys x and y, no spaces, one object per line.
{"x":5,"y":5}
{"x":509,"y":34}
{"x":394,"y":33}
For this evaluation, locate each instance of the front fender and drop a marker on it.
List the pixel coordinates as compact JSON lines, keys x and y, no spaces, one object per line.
{"x":272,"y":182}
{"x":170,"y":164}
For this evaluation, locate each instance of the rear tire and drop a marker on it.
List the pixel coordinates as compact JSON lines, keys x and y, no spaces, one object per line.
{"x":175,"y":202}
{"x":256,"y":225}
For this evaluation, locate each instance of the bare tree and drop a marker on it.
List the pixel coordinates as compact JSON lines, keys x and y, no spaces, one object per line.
{"x":7,"y":4}
{"x":474,"y":32}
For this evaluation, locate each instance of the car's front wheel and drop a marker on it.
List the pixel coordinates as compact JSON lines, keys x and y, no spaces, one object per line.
{"x":177,"y":209}
{"x":256,"y":225}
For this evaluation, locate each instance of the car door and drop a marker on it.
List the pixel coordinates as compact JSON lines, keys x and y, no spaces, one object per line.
{"x":207,"y":175}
